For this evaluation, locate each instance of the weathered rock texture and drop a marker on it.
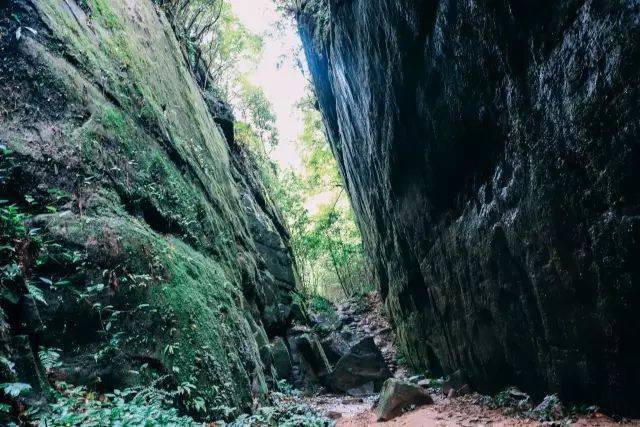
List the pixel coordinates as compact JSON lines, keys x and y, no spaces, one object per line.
{"x":491,"y":151}
{"x":360,"y":371}
{"x":158,"y":251}
{"x":397,"y":396}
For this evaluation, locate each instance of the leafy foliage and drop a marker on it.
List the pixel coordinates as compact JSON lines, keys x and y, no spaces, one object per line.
{"x":511,"y":398}
{"x":215,"y":42}
{"x":324,"y":235}
{"x":550,"y":409}
{"x":322,"y":305}
{"x":15,"y":389}
{"x":135,"y":406}
{"x":286,"y":412}
{"x":256,"y":127}
{"x":50,"y":358}
{"x":317,"y":10}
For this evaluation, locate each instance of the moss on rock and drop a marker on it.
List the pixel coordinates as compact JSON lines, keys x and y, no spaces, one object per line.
{"x":104,"y":108}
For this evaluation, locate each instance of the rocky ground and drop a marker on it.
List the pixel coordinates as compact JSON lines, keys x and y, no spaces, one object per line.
{"x":456,"y":407}
{"x":368,"y":318}
{"x":465,"y":411}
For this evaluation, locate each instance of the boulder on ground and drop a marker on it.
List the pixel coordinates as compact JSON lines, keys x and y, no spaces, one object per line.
{"x":456,"y":384}
{"x":309,"y":361}
{"x":310,"y":349}
{"x":324,"y":322}
{"x":334,"y":415}
{"x":360,"y":371}
{"x":281,"y":358}
{"x":337,"y":344}
{"x":398,"y":396}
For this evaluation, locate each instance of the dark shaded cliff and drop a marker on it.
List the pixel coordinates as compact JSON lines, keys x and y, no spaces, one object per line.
{"x":138,"y":243}
{"x":492,"y":154}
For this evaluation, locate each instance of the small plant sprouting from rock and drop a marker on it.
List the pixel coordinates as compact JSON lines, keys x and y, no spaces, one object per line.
{"x":516,"y":402}
{"x":317,"y":10}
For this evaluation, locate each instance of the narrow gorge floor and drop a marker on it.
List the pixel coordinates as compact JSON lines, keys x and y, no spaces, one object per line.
{"x":510,"y":408}
{"x":461,"y":411}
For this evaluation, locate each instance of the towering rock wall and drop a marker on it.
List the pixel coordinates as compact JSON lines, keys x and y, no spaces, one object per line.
{"x":492,"y":155}
{"x":151,"y":252}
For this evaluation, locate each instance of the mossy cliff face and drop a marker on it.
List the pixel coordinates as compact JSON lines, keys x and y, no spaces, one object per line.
{"x":491,"y":151}
{"x":157,"y":251}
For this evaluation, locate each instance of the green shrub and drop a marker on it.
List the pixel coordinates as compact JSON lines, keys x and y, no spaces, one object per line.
{"x":321,"y":13}
{"x":130,"y":407}
{"x":284,"y":413}
{"x":322,"y":305}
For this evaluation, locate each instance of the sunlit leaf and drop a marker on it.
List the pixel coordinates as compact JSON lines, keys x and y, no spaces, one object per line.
{"x":45,"y":280}
{"x":15,"y":389}
{"x":36,"y":293}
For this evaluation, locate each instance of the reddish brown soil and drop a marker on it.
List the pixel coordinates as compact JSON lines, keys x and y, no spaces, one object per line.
{"x":463,"y":412}
{"x":368,"y":316}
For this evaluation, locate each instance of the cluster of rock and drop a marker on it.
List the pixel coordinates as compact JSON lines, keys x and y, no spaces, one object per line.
{"x":365,"y":315}
{"x":334,"y":351}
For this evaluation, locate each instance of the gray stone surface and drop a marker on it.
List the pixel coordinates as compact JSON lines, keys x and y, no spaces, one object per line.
{"x":172,"y":256}
{"x":398,"y":396}
{"x":360,"y":371}
{"x":491,"y":152}
{"x":281,"y":358}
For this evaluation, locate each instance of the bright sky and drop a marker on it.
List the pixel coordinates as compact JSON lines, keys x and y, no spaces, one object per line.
{"x":283,"y":85}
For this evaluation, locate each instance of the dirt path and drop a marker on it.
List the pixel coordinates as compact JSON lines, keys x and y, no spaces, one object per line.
{"x":464,"y":412}
{"x":339,"y":407}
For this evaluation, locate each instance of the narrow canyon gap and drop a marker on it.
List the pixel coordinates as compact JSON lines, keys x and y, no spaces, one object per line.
{"x":491,"y":152}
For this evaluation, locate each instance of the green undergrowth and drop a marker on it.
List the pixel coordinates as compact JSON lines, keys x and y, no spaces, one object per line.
{"x":322,"y":305}
{"x":127,"y":236}
{"x":286,"y":411}
{"x":148,"y":406}
{"x":324,"y":308}
{"x":191,"y":318}
{"x":142,"y":406}
{"x":550,"y":410}
{"x":157,"y":298}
